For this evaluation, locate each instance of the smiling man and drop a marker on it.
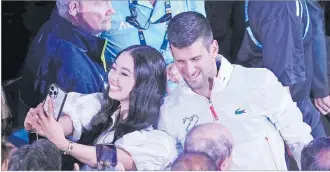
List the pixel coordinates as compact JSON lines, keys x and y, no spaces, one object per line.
{"x":144,"y":22}
{"x":251,"y":103}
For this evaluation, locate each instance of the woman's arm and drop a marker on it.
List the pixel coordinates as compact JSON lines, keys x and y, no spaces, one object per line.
{"x":79,"y":109}
{"x":66,"y":124}
{"x":87,"y":155}
{"x":64,"y":121}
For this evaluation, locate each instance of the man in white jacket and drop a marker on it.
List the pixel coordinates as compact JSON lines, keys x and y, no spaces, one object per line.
{"x":251,"y":103}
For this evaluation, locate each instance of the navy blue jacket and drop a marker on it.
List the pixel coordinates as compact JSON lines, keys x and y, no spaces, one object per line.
{"x":320,"y":87}
{"x":62,"y":54}
{"x":279,"y":27}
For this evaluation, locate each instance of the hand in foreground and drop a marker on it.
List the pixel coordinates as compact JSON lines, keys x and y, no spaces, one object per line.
{"x":30,"y":121}
{"x":50,"y":128}
{"x":323,"y":105}
{"x":173,"y":73}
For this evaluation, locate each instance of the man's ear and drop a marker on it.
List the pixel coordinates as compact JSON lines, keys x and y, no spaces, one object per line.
{"x":73,"y":8}
{"x":214,"y":49}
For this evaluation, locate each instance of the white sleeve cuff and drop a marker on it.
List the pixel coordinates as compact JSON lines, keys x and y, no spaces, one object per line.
{"x":82,"y":108}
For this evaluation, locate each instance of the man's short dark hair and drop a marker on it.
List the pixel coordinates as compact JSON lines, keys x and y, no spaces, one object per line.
{"x":316,"y":155}
{"x":193,"y":161}
{"x":42,"y":155}
{"x":187,"y":27}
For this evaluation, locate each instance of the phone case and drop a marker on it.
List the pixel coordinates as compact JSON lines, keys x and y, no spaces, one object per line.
{"x":58,"y":96}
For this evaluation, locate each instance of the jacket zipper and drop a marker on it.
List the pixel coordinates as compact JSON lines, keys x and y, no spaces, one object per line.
{"x":270,"y":148}
{"x":214,"y":114}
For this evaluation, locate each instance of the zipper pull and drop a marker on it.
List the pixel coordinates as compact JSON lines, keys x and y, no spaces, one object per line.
{"x":213,"y":111}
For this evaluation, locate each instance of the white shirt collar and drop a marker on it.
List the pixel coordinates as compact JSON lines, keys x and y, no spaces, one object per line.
{"x":224,"y":74}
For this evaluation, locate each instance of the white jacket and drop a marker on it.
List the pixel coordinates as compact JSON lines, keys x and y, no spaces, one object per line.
{"x":150,"y":149}
{"x":253,"y":105}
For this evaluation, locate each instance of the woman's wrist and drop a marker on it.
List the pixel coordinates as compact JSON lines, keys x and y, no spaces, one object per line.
{"x":63,"y":145}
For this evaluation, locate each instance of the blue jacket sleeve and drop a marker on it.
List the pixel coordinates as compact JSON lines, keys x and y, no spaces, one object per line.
{"x":320,"y":87}
{"x":68,"y":72}
{"x":282,"y":51}
{"x":41,"y":70}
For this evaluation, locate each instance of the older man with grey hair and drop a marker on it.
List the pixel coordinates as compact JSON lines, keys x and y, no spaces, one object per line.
{"x":68,"y":51}
{"x":213,"y":139}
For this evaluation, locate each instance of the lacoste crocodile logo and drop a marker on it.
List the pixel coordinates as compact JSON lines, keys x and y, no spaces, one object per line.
{"x":239,"y":111}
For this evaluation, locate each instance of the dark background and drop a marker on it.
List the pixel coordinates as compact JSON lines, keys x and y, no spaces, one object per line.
{"x":21,"y":21}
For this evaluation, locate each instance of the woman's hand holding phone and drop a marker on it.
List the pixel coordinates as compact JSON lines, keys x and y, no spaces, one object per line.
{"x":49,"y":127}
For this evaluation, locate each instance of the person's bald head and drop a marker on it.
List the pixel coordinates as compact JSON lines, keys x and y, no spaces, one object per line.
{"x":193,"y":161}
{"x":316,"y":155}
{"x":213,"y":139}
{"x":324,"y":158}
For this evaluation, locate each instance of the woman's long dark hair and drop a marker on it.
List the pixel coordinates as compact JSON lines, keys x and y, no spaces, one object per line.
{"x":144,"y":99}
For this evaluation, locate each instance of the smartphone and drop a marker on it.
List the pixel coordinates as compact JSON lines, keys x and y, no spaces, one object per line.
{"x":58,"y":96}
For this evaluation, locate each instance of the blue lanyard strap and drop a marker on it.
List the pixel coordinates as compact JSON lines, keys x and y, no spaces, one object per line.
{"x":247,"y":23}
{"x":308,"y":20}
{"x":169,"y":12}
{"x":165,"y":18}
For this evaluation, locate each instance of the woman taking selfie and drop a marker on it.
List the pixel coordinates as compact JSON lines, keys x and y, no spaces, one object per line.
{"x":114,"y":130}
